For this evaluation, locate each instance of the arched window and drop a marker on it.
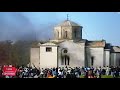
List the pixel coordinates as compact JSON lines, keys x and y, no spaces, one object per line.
{"x":119,"y":62}
{"x":92,"y":60}
{"x":65,"y":60}
{"x":68,"y":61}
{"x":75,"y":33}
{"x":65,"y":34}
{"x":65,"y":51}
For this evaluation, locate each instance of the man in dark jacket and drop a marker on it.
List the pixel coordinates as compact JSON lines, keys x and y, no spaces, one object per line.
{"x":68,"y":75}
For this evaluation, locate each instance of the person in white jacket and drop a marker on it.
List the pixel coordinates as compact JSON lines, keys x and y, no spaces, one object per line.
{"x":107,"y":70}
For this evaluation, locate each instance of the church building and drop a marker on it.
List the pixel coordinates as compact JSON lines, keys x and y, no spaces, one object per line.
{"x":68,"y":48}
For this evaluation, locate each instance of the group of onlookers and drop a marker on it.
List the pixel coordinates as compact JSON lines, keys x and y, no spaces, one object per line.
{"x":64,"y":72}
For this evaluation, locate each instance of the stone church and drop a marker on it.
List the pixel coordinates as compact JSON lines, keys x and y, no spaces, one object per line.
{"x":68,"y":48}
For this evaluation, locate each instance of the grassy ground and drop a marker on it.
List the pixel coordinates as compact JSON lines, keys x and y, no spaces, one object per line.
{"x":103,"y":76}
{"x":81,"y":76}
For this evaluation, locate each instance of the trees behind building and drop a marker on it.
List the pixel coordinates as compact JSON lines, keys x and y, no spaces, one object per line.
{"x":15,"y":53}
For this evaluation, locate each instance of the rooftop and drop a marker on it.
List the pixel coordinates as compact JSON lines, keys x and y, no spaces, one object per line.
{"x":68,"y":23}
{"x":96,"y":43}
{"x":115,"y":49}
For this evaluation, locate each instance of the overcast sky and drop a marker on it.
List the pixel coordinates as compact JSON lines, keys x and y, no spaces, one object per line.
{"x":39,"y":25}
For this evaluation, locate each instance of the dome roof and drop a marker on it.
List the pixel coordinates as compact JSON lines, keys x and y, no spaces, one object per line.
{"x":68,"y":23}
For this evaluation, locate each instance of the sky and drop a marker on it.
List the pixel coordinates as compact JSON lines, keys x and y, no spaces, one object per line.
{"x":39,"y":25}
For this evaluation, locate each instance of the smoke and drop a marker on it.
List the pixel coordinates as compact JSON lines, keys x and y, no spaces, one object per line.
{"x":15,"y":26}
{"x":45,"y":32}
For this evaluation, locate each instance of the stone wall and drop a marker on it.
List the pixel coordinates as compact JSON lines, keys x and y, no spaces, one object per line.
{"x":61,"y":31}
{"x":97,"y":53}
{"x":34,"y":57}
{"x":107,"y":58}
{"x":79,"y":33}
{"x":48,"y":59}
{"x":76,"y":52}
{"x":115,"y":59}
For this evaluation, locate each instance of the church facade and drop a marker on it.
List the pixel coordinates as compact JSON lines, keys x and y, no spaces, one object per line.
{"x":68,"y":48}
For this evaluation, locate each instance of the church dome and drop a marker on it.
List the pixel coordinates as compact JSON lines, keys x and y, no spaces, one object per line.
{"x":68,"y":23}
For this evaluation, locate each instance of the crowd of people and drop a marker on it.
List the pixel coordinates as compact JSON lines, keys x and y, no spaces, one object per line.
{"x":64,"y":72}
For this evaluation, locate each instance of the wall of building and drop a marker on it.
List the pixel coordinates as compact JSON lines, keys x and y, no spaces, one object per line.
{"x":48,"y":59}
{"x":79,"y":32}
{"x":76,"y":52}
{"x":34,"y":57}
{"x":97,"y":53}
{"x":56,"y":30}
{"x":107,"y":58}
{"x":61,"y":31}
{"x":115,"y":59}
{"x":112,"y":59}
{"x":87,"y":57}
{"x":69,"y":32}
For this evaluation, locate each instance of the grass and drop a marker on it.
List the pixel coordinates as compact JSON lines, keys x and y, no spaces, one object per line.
{"x":103,"y":76}
{"x":81,"y":76}
{"x":109,"y":76}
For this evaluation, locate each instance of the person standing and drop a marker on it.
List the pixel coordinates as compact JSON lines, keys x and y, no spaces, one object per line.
{"x":107,"y":71}
{"x":0,"y":72}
